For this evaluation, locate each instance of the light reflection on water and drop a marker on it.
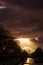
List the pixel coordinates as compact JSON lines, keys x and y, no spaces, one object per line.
{"x":29,"y":61}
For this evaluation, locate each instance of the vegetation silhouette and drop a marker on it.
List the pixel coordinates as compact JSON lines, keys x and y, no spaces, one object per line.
{"x":10,"y":52}
{"x":7,"y":43}
{"x":38,"y":55}
{"x":24,"y":57}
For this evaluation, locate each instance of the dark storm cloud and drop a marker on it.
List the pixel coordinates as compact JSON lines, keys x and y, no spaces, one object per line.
{"x":21,"y":21}
{"x":39,"y":28}
{"x":27,"y":3}
{"x":41,"y":41}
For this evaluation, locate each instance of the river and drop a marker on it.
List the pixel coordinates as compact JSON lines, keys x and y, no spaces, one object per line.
{"x":29,"y":61}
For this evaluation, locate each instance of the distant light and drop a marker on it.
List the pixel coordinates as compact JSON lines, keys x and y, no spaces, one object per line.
{"x":37,"y":39}
{"x":3,"y":48}
{"x":2,"y":7}
{"x":23,"y":40}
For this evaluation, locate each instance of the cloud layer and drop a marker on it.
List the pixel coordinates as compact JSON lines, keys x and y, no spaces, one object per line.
{"x":22,"y":21}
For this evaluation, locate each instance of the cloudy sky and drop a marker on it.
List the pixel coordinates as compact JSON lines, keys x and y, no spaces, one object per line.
{"x":23,"y":18}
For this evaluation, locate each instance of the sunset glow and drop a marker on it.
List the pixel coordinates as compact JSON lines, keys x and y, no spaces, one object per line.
{"x":26,"y":44}
{"x":23,"y":40}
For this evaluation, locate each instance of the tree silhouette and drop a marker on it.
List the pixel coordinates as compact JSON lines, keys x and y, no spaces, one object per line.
{"x":38,"y":55}
{"x":24,"y":57}
{"x":9,"y":50}
{"x":7,"y":43}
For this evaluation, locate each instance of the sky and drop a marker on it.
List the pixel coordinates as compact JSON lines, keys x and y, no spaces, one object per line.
{"x":23,"y":18}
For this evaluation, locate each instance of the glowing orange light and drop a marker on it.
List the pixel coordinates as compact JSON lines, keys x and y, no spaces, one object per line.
{"x":26,"y":44}
{"x":23,"y":40}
